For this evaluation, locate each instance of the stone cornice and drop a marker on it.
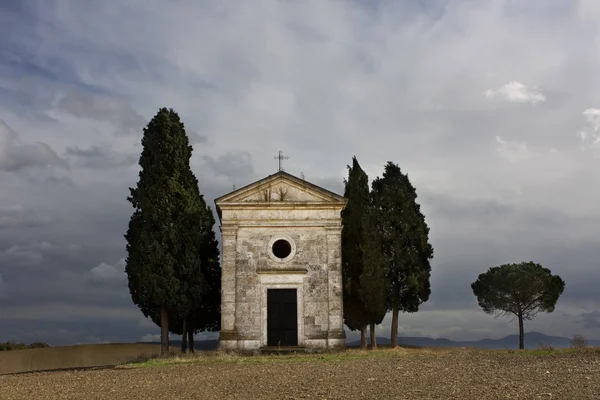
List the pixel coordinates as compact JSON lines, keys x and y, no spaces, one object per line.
{"x":281,"y":271}
{"x":284,"y":176}
{"x":328,"y":224}
{"x":282,"y":205}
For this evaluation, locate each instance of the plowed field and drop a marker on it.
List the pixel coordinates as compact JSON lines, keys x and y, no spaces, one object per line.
{"x":383,"y":374}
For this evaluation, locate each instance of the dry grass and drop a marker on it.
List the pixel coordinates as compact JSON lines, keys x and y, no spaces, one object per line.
{"x":91,"y":355}
{"x":233,"y":357}
{"x":392,"y":373}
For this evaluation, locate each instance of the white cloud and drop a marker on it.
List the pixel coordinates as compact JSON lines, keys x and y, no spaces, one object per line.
{"x":108,"y":274}
{"x":590,"y":135}
{"x":516,"y":92}
{"x":513,"y":151}
{"x":593,"y":117}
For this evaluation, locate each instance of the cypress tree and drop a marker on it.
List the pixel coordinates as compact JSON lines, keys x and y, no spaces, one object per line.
{"x":163,"y":262}
{"x":205,"y":310}
{"x":202,"y":305}
{"x":405,"y":246}
{"x":373,"y":284}
{"x":356,"y":190}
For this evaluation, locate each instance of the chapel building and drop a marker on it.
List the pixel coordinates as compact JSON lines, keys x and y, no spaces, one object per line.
{"x":281,"y":265}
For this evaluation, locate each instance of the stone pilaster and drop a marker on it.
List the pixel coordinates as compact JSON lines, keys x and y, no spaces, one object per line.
{"x":336,"y":336}
{"x":229,"y":336}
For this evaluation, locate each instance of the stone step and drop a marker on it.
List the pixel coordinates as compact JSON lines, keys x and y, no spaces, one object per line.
{"x":282,"y":349}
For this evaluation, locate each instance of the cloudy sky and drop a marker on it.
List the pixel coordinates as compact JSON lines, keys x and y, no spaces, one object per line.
{"x":492,"y":108}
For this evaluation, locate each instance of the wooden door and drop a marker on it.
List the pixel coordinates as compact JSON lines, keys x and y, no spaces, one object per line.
{"x":282,"y":317}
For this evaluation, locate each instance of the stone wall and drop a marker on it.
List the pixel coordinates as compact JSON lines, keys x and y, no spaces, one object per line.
{"x":309,"y":263}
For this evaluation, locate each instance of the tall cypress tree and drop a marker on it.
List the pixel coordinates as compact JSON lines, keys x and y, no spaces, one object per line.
{"x":356,"y":317}
{"x":201,"y":306}
{"x":404,"y":237}
{"x":205,"y":311}
{"x":163,"y":262}
{"x":373,"y":284}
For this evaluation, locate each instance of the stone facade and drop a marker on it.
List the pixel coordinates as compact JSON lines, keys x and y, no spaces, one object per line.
{"x":304,"y":221}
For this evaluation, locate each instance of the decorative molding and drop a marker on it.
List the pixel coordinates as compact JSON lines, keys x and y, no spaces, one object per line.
{"x":336,"y":334}
{"x":228,"y":335}
{"x":328,"y":224}
{"x":270,"y":249}
{"x":316,"y":336}
{"x":251,"y":336}
{"x":273,"y":271}
{"x":282,"y":205}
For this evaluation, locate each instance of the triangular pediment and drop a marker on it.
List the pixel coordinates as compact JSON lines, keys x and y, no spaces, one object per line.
{"x":280,"y":187}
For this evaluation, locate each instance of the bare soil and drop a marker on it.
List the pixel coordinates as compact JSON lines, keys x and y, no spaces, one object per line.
{"x":384,"y":374}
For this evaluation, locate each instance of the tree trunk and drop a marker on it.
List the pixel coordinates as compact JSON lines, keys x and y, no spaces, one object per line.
{"x":373,"y":337}
{"x":521,"y":333}
{"x":394,"y":334}
{"x":184,"y":337}
{"x":164,"y":331}
{"x":191,"y":340}
{"x":363,"y":337}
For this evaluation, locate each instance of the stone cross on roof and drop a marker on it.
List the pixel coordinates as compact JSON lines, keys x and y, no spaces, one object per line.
{"x":280,"y":157}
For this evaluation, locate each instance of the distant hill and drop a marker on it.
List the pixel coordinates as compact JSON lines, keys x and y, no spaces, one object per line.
{"x":198,"y":344}
{"x":532,"y":341}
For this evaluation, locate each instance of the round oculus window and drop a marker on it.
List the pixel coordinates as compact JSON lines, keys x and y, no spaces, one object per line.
{"x":281,"y":248}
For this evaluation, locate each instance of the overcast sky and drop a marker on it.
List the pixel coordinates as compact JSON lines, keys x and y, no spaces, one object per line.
{"x":491,"y":107}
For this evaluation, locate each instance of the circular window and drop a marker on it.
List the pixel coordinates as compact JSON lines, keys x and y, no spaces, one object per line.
{"x":281,"y":248}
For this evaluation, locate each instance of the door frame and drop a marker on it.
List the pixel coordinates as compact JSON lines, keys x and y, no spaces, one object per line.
{"x":282,"y":281}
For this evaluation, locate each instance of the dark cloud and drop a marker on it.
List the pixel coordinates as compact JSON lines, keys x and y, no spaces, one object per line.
{"x":103,"y":157}
{"x":72,"y":276}
{"x":32,"y":254}
{"x":231,"y":165}
{"x":103,"y":108}
{"x":196,"y":138}
{"x":469,"y":236}
{"x":62,"y":180}
{"x":335,"y":185}
{"x":20,"y":217}
{"x":15,"y":156}
{"x":3,"y":293}
{"x":591,"y":320}
{"x":82,"y":330}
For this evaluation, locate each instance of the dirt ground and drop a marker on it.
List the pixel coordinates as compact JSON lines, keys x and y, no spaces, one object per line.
{"x":391,"y":374}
